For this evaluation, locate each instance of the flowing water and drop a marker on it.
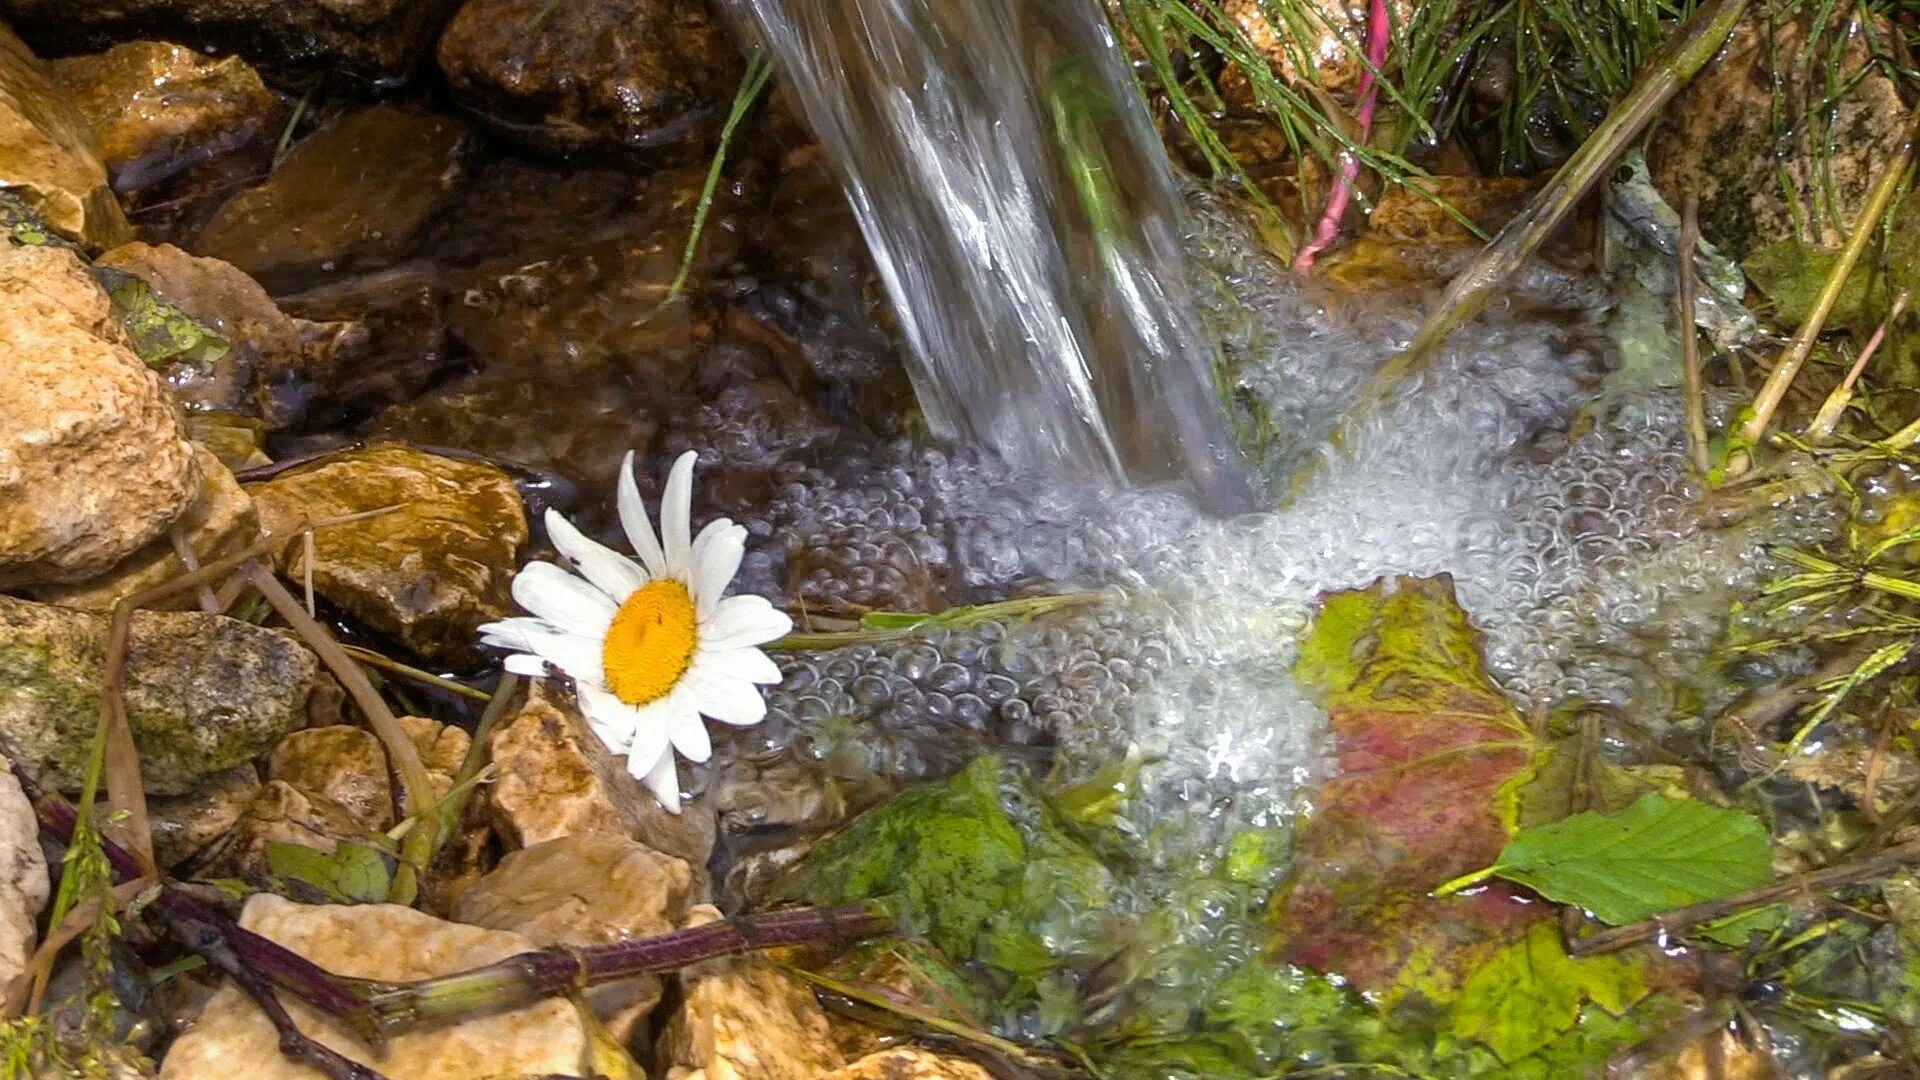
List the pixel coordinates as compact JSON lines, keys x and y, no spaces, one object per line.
{"x":1026,"y":223}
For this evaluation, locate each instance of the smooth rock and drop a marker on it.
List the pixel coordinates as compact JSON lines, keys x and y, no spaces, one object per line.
{"x":554,"y":778}
{"x":587,"y":889}
{"x":263,"y":353}
{"x":427,"y":573}
{"x":219,"y":521}
{"x":1719,"y":140}
{"x":353,"y":195}
{"x":94,"y":462}
{"x":48,"y":156}
{"x":204,"y":692}
{"x":23,"y":876}
{"x":174,"y":125}
{"x":628,"y":77}
{"x":279,"y":814}
{"x":368,"y":41}
{"x":185,"y":824}
{"x":744,"y":1019}
{"x":381,"y":941}
{"x":910,"y":1063}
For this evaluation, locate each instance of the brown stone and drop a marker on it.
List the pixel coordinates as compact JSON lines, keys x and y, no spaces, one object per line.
{"x":232,"y":1038}
{"x":185,"y":824}
{"x":1718,"y":138}
{"x":744,"y":1019}
{"x":263,"y":346}
{"x":238,"y":441}
{"x":587,"y":889}
{"x":1488,"y":201}
{"x":279,"y":814}
{"x":910,"y":1063}
{"x":374,"y":41}
{"x":219,"y":521}
{"x":427,"y":572}
{"x":341,"y":763}
{"x":172,"y":122}
{"x":94,"y":462}
{"x":47,"y":153}
{"x":353,"y":195}
{"x":1325,"y":35}
{"x":630,"y":77}
{"x":373,"y":339}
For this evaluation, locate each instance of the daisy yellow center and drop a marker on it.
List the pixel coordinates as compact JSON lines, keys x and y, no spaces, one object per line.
{"x":651,"y":642}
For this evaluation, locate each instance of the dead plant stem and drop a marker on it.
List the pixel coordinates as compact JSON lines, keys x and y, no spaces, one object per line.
{"x":1695,"y":382}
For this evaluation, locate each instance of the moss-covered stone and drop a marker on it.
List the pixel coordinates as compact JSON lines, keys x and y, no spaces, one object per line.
{"x":204,"y":693}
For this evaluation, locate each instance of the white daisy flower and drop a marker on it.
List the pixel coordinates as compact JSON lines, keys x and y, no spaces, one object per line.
{"x":651,"y":646}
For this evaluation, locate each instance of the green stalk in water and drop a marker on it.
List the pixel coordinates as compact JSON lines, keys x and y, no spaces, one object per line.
{"x":754,"y":81}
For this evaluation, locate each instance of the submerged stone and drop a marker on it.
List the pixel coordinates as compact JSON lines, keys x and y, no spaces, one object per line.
{"x":380,"y":941}
{"x":428,"y":571}
{"x":185,"y":824}
{"x":47,"y":153}
{"x":626,"y":77}
{"x":175,"y":126}
{"x":204,"y":692}
{"x":354,"y":194}
{"x":910,"y":1063}
{"x":373,"y":339}
{"x":94,"y":462}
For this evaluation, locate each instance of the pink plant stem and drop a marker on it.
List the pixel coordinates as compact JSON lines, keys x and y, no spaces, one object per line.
{"x":1378,"y":35}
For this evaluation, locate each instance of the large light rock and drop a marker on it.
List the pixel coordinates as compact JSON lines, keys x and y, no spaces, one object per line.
{"x":430,"y":570}
{"x":94,"y":462}
{"x":173,"y":124}
{"x":381,"y":941}
{"x":374,"y":41}
{"x":616,"y":76}
{"x":910,"y":1063}
{"x":204,"y":693}
{"x":587,"y":889}
{"x":48,"y":156}
{"x":744,"y":1019}
{"x":354,"y":194}
{"x":23,"y":876}
{"x":1720,"y":138}
{"x":263,"y":356}
{"x":219,"y":521}
{"x":554,"y":778}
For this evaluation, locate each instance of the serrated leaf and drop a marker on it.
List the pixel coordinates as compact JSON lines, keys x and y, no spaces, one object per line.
{"x":1531,"y":991}
{"x":1657,"y":855}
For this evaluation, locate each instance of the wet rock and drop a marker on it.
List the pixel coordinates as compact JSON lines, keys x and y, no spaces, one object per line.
{"x":744,"y":1019}
{"x":93,"y":458}
{"x":381,"y":941}
{"x":1404,"y":214}
{"x":617,"y":76}
{"x":278,"y":814}
{"x":1323,"y":38}
{"x":374,"y":339}
{"x":204,"y":692}
{"x":238,"y":441}
{"x":184,"y":824}
{"x":426,"y":573}
{"x":373,"y":41}
{"x":587,"y":889}
{"x":910,"y":1063}
{"x":48,"y":156}
{"x":263,"y":346}
{"x":554,"y":778}
{"x":174,"y":126}
{"x":23,"y":876}
{"x":353,"y":195}
{"x":219,"y":521}
{"x":1722,"y":140}
{"x":346,"y":765}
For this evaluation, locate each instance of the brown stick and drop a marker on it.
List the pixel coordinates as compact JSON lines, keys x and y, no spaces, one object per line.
{"x":1799,"y":885}
{"x":1695,"y":381}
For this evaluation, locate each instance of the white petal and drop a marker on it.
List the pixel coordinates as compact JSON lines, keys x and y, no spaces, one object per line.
{"x":684,"y":726}
{"x":526,"y":664}
{"x":513,"y":633}
{"x":611,"y":572}
{"x":563,"y":600}
{"x":613,"y":720}
{"x":676,"y":515}
{"x":633,"y":518}
{"x":650,"y":732}
{"x":728,"y":700}
{"x":716,"y":558}
{"x":744,"y":620}
{"x":578,"y":656}
{"x":750,"y":664}
{"x":661,"y":776}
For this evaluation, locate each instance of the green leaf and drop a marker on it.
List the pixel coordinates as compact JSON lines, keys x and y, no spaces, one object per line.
{"x":1657,"y":855}
{"x":353,"y":874}
{"x":1735,"y":930}
{"x":161,"y":333}
{"x":1531,"y":991}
